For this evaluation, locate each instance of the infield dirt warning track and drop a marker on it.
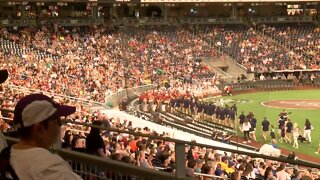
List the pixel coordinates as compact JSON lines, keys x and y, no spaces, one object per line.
{"x":293,"y":104}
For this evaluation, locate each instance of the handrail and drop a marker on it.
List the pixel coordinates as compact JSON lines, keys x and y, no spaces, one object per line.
{"x":19,"y":88}
{"x":133,"y":88}
{"x":208,"y":175}
{"x":229,"y":59}
{"x":176,"y":141}
{"x":179,"y":149}
{"x":182,"y":142}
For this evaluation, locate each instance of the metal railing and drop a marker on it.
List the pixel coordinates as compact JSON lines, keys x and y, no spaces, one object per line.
{"x":30,"y":90}
{"x":282,"y":19}
{"x":209,"y":176}
{"x":60,"y":21}
{"x":166,"y":21}
{"x":180,"y":151}
{"x":272,"y":84}
{"x":94,"y":167}
{"x":115,"y":98}
{"x":211,"y":20}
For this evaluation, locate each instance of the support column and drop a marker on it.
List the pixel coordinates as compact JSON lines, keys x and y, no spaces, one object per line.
{"x":234,"y":10}
{"x":23,"y":11}
{"x":180,"y":161}
{"x":165,"y":12}
{"x":304,"y":6}
{"x":94,"y":11}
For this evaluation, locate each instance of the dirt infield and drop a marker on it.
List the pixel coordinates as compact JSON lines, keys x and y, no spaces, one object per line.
{"x":293,"y":104}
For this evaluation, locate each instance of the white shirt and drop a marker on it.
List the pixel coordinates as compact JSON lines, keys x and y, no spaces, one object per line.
{"x":246,"y":126}
{"x":282,"y":175}
{"x":39,"y":163}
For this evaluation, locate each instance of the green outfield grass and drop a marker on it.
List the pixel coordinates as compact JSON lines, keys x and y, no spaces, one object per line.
{"x":252,"y":103}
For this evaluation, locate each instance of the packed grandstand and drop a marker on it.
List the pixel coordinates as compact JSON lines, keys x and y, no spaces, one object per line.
{"x":85,"y":66}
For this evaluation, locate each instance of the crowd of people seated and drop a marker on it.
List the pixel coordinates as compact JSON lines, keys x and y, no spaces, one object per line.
{"x":300,"y":38}
{"x":96,"y":61}
{"x":160,"y":155}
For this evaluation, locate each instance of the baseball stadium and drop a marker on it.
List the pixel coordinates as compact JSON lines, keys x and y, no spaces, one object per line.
{"x":159,"y":89}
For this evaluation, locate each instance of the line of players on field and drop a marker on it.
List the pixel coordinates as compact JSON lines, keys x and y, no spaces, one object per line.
{"x":226,"y":115}
{"x":201,"y":110}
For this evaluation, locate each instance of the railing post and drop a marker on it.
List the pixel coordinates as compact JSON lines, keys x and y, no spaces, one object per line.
{"x":180,"y":160}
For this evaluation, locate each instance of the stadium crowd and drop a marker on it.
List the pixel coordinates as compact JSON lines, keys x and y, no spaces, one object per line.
{"x":257,"y":52}
{"x":92,"y":63}
{"x":300,"y":38}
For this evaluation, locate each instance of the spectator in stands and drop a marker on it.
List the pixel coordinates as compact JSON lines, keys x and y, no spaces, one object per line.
{"x":78,"y":144}
{"x":190,"y":155}
{"x":37,"y":118}
{"x":224,"y":163}
{"x":231,"y":168}
{"x":167,"y":164}
{"x":295,"y":175}
{"x":190,"y":168}
{"x":94,"y":142}
{"x":145,"y":161}
{"x":199,"y":164}
{"x":67,"y":139}
{"x":292,"y":156}
{"x":235,"y":176}
{"x":268,"y":175}
{"x":282,"y":174}
{"x":248,"y":172}
{"x":219,"y":171}
{"x":206,"y":169}
{"x":262,"y":169}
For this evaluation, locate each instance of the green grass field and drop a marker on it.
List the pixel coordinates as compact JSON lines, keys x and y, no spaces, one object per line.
{"x":252,"y":102}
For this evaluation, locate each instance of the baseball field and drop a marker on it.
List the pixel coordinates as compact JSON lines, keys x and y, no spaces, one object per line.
{"x":301,"y":104}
